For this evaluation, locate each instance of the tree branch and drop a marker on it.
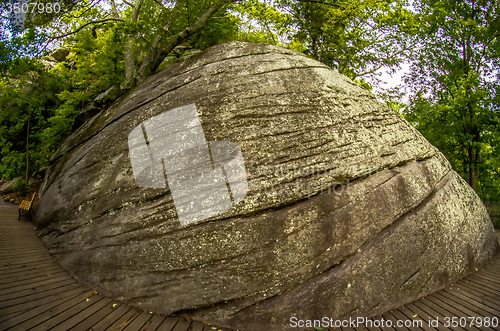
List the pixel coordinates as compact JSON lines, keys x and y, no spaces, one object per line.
{"x":137,"y":10}
{"x":160,"y":7}
{"x":167,"y":25}
{"x":322,"y":3}
{"x":370,"y":71}
{"x":156,"y":55}
{"x":160,"y":4}
{"x":113,"y":9}
{"x":87,"y":24}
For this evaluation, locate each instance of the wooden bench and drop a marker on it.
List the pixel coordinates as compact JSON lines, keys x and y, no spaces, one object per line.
{"x":26,"y":205}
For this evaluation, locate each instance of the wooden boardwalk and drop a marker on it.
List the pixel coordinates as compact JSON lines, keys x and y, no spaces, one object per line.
{"x":36,"y":293}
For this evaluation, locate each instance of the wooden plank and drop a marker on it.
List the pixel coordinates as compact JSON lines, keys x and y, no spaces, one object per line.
{"x":38,"y":289}
{"x":182,"y":325}
{"x":368,"y":325}
{"x":139,"y":322}
{"x":481,"y":283}
{"x":491,"y":274}
{"x":361,"y":328}
{"x":454,"y":309}
{"x":68,"y":313}
{"x":39,"y":302}
{"x":21,"y":247}
{"x":11,"y":315}
{"x":123,"y":321}
{"x":472,"y":306}
{"x":388,"y":316}
{"x":10,"y":269}
{"x":20,"y":278}
{"x":491,"y":279}
{"x":414,"y":316}
{"x":5,"y":267}
{"x":494,"y":269}
{"x":382,"y":323}
{"x":196,"y":326}
{"x":107,"y":321}
{"x":494,"y":309}
{"x":30,"y":273}
{"x":17,"y":261}
{"x":9,"y":250}
{"x":401,"y":317}
{"x":33,"y":317}
{"x":153,"y":323}
{"x":97,"y":316}
{"x":492,"y":264}
{"x":439,"y":310}
{"x":19,"y":256}
{"x":35,"y":296}
{"x":21,"y":269}
{"x":14,"y":250}
{"x":20,"y":259}
{"x":425,"y":313}
{"x":441,"y":307}
{"x":24,"y":285}
{"x":481,"y":308}
{"x":168,"y":324}
{"x":11,"y":239}
{"x":465,"y":310}
{"x":82,"y":315}
{"x":489,"y":295}
{"x":425,"y":316}
{"x":6,"y":264}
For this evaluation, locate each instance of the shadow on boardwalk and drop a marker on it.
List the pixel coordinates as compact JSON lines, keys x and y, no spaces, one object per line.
{"x":37,"y":293}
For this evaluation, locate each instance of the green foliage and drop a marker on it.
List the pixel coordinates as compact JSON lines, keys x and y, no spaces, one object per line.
{"x":50,"y":95}
{"x":393,"y":98}
{"x":494,"y":211}
{"x":51,"y":98}
{"x":263,"y":23}
{"x":25,"y":99}
{"x":454,"y":88}
{"x":20,"y":187}
{"x":357,"y":38}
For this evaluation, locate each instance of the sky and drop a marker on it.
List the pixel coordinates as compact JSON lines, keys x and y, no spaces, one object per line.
{"x":396,"y":78}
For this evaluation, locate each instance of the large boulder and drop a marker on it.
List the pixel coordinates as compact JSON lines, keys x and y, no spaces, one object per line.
{"x":11,"y":185}
{"x":349,"y":210}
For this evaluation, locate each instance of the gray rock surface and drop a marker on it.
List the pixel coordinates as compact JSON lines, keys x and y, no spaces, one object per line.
{"x":60,"y":54}
{"x":110,"y":94}
{"x":10,"y":185}
{"x":89,"y":111}
{"x":349,"y":211}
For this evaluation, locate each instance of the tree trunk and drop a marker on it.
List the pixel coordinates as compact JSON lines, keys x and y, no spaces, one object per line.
{"x":155,"y":56}
{"x":472,"y":168}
